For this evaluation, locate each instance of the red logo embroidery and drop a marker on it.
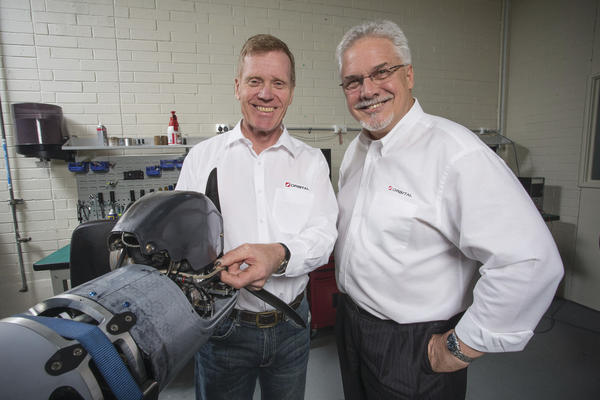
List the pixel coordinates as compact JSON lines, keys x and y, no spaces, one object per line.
{"x":294,"y":185}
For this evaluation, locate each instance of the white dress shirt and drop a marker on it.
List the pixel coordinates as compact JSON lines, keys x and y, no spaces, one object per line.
{"x":425,"y":207}
{"x":282,"y":195}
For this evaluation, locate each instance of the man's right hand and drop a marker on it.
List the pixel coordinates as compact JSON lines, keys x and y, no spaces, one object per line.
{"x":262,"y":261}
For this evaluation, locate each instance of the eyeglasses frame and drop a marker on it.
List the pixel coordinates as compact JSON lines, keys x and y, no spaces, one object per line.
{"x":361,"y":78}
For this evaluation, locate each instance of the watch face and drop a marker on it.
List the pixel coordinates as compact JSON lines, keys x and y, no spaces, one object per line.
{"x":452,"y":343}
{"x":282,"y":267}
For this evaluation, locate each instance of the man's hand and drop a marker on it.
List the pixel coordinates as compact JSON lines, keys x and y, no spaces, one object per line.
{"x":442,"y":360}
{"x":262,"y":261}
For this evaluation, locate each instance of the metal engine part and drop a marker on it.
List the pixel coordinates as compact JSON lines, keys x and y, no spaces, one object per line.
{"x":156,"y":312}
{"x":161,"y":230}
{"x":177,"y":227}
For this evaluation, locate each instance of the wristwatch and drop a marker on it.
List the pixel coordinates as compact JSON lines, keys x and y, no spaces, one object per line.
{"x":285,"y":261}
{"x":454,"y":348}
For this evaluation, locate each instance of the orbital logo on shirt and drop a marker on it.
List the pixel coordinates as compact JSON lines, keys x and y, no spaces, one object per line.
{"x":289,"y":184}
{"x":402,"y":192}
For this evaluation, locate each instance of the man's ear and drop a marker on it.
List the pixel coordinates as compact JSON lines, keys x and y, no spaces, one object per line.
{"x":237,"y":88}
{"x":410,"y":76}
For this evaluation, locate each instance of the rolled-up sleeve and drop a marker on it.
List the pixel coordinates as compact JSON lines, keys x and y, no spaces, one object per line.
{"x":491,"y":219}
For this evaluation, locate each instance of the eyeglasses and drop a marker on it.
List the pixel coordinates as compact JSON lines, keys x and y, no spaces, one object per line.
{"x":352,"y":83}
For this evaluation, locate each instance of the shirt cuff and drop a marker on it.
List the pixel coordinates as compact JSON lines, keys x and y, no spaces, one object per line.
{"x":288,"y":264}
{"x":482,"y":339}
{"x":297,"y":257}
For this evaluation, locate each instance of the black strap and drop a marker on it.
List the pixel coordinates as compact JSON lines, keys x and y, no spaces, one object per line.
{"x":212,"y":189}
{"x":212,"y":192}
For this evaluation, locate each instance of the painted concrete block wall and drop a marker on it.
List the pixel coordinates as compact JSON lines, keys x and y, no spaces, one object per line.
{"x":549,"y":70}
{"x":128,"y":63}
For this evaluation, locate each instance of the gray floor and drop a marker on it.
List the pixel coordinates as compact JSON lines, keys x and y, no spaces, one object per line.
{"x":562,"y":361}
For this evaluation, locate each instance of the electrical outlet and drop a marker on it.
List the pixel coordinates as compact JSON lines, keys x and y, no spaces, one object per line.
{"x":222,"y":128}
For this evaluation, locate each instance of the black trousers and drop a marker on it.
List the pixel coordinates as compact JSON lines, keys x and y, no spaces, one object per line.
{"x":381,"y":359}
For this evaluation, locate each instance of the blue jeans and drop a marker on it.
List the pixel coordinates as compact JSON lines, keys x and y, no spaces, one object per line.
{"x":239,"y":353}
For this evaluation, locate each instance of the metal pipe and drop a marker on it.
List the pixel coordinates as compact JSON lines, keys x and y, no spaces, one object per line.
{"x":503,"y":61}
{"x":502,"y":83}
{"x":310,"y":129}
{"x":13,"y":205}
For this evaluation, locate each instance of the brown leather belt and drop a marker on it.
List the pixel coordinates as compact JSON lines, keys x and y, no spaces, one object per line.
{"x":265,"y":319}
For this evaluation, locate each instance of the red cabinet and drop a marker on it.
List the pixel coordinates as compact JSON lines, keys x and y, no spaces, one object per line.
{"x":322,"y":296}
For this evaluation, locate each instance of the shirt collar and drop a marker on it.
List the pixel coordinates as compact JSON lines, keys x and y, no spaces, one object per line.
{"x":285,"y":140}
{"x":400,"y":131}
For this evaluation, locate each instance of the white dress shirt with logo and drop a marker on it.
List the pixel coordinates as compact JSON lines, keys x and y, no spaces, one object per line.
{"x":421,"y":212}
{"x":284,"y":194}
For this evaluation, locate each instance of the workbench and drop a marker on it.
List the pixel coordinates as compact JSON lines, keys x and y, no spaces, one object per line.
{"x":58,"y":265}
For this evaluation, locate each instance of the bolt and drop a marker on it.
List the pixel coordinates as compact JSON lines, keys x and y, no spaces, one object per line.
{"x":150,"y":248}
{"x":92,"y":293}
{"x":126,"y":304}
{"x":56,"y":366}
{"x":77,"y":351}
{"x":113,"y":328}
{"x":128,"y":318}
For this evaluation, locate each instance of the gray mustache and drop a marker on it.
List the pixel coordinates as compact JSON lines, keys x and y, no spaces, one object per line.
{"x":367,"y":103}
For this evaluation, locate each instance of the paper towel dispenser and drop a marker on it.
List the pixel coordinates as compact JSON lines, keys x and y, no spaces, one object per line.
{"x":40,"y":131}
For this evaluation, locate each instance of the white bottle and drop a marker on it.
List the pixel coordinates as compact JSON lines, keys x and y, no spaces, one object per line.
{"x":102,"y":136}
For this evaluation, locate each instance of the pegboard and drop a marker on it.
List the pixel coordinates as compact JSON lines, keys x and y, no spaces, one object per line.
{"x":94,"y":187}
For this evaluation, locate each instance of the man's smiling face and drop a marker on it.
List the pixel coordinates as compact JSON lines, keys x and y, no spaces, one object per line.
{"x":265,"y":91}
{"x":378,"y":106}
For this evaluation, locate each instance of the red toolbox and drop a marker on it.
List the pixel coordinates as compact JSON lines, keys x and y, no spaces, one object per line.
{"x":322,"y":296}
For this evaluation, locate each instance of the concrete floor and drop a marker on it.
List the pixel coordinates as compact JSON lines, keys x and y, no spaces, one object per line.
{"x":562,"y":361}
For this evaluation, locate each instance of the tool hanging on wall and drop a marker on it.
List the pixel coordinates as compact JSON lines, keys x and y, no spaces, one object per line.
{"x":101,"y":204}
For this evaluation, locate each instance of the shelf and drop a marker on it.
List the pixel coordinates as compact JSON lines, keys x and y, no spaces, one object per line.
{"x":494,"y":138}
{"x":550,"y":217}
{"x":89,"y":143}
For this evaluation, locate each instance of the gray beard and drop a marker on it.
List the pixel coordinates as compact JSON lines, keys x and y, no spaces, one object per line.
{"x":374,"y":124}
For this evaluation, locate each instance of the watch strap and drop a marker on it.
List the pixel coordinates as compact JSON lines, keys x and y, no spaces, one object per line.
{"x":283,"y":266}
{"x":454,"y":347}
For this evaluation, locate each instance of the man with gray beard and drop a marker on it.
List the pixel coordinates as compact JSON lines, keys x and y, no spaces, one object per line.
{"x":423,"y":205}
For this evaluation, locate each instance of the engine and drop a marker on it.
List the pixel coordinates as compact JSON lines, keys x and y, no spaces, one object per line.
{"x":126,"y":334}
{"x":180,"y":234}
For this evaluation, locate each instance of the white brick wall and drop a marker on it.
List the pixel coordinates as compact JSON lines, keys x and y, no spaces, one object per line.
{"x":127,"y":63}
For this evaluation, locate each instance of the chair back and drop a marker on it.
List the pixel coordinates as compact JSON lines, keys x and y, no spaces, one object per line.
{"x":90,"y":257}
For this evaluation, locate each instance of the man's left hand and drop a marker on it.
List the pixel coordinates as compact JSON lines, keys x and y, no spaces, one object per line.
{"x":262,"y":261}
{"x":442,"y":360}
